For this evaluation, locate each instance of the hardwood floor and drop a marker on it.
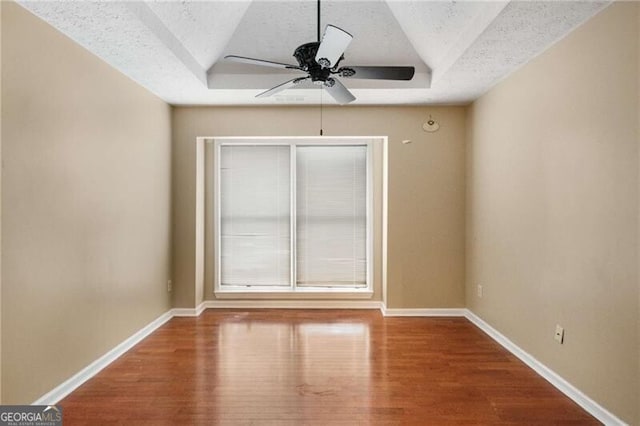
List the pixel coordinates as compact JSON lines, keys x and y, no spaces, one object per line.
{"x":318,"y":367}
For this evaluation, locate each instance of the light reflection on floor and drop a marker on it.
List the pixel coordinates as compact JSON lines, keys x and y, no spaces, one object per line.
{"x":298,"y":363}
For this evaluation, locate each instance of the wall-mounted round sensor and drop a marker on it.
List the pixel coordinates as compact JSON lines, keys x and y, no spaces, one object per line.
{"x":430,"y":126}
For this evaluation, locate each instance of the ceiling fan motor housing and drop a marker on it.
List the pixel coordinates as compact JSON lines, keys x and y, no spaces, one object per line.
{"x":306,"y":57}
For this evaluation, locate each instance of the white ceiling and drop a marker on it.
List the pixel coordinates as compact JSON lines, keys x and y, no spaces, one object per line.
{"x":460,"y":49}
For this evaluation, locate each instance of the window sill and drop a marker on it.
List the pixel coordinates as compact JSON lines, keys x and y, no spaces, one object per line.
{"x":305,"y":294}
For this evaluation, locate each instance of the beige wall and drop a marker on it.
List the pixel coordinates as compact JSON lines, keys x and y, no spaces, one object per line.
{"x":426,"y":190}
{"x":0,"y":207}
{"x":552,"y":208}
{"x":638,"y":262}
{"x":85,"y":207}
{"x":638,"y":96}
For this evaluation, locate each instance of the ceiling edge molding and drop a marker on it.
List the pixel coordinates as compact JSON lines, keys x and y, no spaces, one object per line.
{"x":142,"y":11}
{"x":466,"y":39}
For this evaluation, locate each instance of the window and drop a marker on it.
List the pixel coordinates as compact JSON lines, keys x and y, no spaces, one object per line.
{"x":293,"y":214}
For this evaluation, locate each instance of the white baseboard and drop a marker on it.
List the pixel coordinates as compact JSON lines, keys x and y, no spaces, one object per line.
{"x":189,"y":312}
{"x":392,"y":312}
{"x":592,"y":407}
{"x":293,"y":304}
{"x":68,"y":386}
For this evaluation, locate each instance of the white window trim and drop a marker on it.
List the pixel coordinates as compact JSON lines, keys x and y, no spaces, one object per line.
{"x":292,"y":290}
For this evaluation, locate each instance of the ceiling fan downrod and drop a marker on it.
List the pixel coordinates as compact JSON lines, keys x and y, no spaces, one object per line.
{"x":318,"y":21}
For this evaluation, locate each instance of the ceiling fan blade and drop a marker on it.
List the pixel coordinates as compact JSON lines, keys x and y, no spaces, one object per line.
{"x":379,"y":73}
{"x":279,"y":88}
{"x":341,"y":94}
{"x":261,"y":62}
{"x":334,"y":43}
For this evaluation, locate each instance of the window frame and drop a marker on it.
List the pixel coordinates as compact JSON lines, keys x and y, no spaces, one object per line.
{"x":292,"y":142}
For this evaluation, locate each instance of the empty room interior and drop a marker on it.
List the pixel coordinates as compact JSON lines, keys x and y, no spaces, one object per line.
{"x":346,"y":212}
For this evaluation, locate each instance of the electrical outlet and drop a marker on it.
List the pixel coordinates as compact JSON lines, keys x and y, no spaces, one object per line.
{"x":479,"y":290}
{"x":169,"y":286}
{"x":559,"y":336}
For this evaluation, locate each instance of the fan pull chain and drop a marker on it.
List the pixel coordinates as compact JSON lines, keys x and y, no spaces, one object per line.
{"x":321,"y":90}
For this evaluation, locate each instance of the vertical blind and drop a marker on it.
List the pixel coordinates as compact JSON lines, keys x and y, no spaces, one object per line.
{"x":256,"y":195}
{"x":331,"y":216}
{"x":255,"y":215}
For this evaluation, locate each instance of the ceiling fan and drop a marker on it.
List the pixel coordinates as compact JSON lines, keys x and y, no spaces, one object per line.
{"x":321,"y":59}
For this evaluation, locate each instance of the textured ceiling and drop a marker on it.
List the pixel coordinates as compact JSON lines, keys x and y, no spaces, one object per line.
{"x":460,"y":48}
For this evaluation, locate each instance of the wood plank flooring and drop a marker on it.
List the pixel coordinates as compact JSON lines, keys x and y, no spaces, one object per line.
{"x":318,"y":367}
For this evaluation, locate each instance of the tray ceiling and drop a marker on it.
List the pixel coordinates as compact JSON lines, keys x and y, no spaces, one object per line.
{"x":460,"y":48}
